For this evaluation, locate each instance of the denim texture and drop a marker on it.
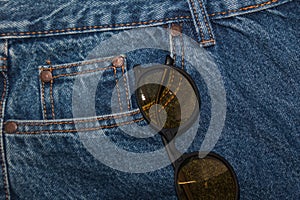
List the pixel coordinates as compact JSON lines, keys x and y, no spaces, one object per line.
{"x":255,"y":44}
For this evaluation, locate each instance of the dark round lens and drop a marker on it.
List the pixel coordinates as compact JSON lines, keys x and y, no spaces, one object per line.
{"x":167,"y":97}
{"x":206,"y":178}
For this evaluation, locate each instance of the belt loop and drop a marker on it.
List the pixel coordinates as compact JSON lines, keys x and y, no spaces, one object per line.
{"x":201,"y":22}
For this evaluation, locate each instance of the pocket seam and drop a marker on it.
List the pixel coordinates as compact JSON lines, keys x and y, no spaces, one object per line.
{"x":80,"y":130}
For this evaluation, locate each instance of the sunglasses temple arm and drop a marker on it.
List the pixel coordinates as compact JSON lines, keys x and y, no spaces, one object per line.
{"x":172,"y":152}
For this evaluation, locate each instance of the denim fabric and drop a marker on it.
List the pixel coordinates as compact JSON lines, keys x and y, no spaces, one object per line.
{"x":255,"y":44}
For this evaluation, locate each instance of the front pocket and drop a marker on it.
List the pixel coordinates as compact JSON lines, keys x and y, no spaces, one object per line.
{"x":85,"y":88}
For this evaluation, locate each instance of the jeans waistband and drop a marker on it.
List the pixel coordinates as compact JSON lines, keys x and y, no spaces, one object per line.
{"x":33,"y":18}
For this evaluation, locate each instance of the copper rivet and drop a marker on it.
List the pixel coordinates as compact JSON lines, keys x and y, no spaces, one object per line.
{"x":46,"y":76}
{"x":11,"y":127}
{"x":118,"y":61}
{"x":176,"y":30}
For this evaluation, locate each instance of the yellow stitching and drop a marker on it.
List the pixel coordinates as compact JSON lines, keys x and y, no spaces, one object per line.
{"x":43,"y":99}
{"x":1,"y":148}
{"x":126,"y":87}
{"x":79,"y":64}
{"x":207,"y":41}
{"x":3,"y":93}
{"x":83,"y":72}
{"x":182,"y":50}
{"x":84,"y":129}
{"x":94,"y":27}
{"x":79,"y":121}
{"x":51,"y":99}
{"x":205,"y":20}
{"x":118,"y":89}
{"x":197,"y":19}
{"x":244,"y":8}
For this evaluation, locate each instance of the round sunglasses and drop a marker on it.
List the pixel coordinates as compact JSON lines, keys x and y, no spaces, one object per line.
{"x":170,"y":102}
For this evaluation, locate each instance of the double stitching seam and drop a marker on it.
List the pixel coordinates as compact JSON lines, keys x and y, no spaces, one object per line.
{"x":84,"y":129}
{"x":79,"y":64}
{"x":5,"y":181}
{"x":205,"y":19}
{"x":126,"y":87}
{"x":3,"y":94}
{"x":182,"y":49}
{"x":83,"y":72}
{"x":79,"y":121}
{"x":197,"y":19}
{"x":51,"y":99}
{"x":244,"y":8}
{"x":43,"y":100}
{"x":93,"y":27}
{"x":118,"y":89}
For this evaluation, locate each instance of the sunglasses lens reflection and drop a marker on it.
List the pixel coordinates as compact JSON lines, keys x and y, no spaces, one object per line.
{"x":206,"y":178}
{"x":167,"y":98}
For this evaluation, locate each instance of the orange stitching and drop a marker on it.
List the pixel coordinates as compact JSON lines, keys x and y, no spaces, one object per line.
{"x":126,"y":87}
{"x":94,"y":27}
{"x":79,"y":64}
{"x":78,"y":121}
{"x":1,"y":150}
{"x":205,"y":20}
{"x":173,"y":47}
{"x":118,"y":89}
{"x":51,"y":99}
{"x":2,"y":58}
{"x":84,"y":129}
{"x":3,"y":67}
{"x":197,"y":19}
{"x":83,"y":72}
{"x":3,"y":93}
{"x":244,"y":8}
{"x":182,"y":50}
{"x":207,"y":41}
{"x":43,"y":100}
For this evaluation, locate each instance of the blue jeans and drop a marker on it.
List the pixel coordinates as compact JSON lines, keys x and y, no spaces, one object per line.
{"x":45,"y":47}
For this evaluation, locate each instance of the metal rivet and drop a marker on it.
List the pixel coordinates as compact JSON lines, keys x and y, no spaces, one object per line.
{"x":118,"y":61}
{"x":46,"y":76}
{"x":11,"y":127}
{"x":176,"y":30}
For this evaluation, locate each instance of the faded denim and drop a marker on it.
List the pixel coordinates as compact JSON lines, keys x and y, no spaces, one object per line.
{"x":255,"y":44}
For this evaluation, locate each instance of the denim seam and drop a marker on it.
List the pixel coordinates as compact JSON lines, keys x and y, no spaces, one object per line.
{"x":81,"y":121}
{"x":3,"y":58}
{"x":198,"y":26}
{"x":79,"y":64}
{"x":118,"y":89}
{"x":43,"y":100}
{"x":81,"y":130}
{"x":197,"y":20}
{"x":205,"y":20}
{"x":2,"y":151}
{"x":83,"y":72}
{"x":51,"y":99}
{"x":173,"y":46}
{"x":126,"y":87}
{"x":93,"y":27}
{"x":182,"y":50}
{"x":244,"y":8}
